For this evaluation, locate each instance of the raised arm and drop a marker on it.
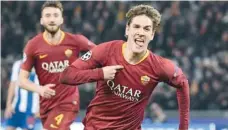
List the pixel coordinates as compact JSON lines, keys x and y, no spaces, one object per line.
{"x":87,"y":68}
{"x":90,"y":67}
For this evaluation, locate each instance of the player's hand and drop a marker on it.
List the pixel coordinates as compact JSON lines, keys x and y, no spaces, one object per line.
{"x":110,"y":71}
{"x":46,"y":91}
{"x":9,"y":111}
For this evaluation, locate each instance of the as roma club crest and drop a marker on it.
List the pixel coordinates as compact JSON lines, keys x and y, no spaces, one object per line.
{"x":68,"y":52}
{"x":145,"y":80}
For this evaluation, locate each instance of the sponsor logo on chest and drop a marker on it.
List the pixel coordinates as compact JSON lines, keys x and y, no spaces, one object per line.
{"x":55,"y":66}
{"x":124,"y":92}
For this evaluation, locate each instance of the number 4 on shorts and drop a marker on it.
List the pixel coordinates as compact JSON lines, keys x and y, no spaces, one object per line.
{"x":59,"y":118}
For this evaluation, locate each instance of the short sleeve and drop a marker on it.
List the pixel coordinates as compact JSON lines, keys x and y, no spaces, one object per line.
{"x":28,"y":57}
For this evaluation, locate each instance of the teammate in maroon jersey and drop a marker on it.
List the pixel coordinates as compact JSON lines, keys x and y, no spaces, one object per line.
{"x":50,"y":53}
{"x":127,"y":73}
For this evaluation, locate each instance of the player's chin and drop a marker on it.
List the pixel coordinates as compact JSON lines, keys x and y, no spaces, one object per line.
{"x":137,"y":50}
{"x":52,"y":29}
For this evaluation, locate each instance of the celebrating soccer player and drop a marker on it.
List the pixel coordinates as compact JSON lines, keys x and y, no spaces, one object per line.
{"x":127,"y":73}
{"x":50,"y":53}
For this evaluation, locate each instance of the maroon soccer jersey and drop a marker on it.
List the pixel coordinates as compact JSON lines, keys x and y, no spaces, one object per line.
{"x":120,"y":103}
{"x":49,"y":60}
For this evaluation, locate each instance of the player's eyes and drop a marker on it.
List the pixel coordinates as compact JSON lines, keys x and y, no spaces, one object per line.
{"x":47,"y":15}
{"x":147,"y":29}
{"x":136,"y":26}
{"x":56,"y":15}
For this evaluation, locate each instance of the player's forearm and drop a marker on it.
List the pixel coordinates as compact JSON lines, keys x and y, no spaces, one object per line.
{"x":28,"y":85}
{"x":184,"y":104}
{"x":10,"y":94}
{"x":75,"y":76}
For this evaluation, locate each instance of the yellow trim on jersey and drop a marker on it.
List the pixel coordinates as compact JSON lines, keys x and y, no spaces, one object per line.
{"x":123,"y":46}
{"x":143,"y":58}
{"x":61,"y":39}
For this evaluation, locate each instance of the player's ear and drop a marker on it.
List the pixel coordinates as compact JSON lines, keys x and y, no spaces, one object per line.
{"x":41,"y":21}
{"x":152,"y":35}
{"x":62,"y":20}
{"x":126,"y":30}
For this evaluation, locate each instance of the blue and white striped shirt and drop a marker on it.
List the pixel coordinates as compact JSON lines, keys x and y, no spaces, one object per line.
{"x":24,"y":101}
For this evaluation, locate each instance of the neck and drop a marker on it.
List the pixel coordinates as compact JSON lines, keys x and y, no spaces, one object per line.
{"x":53,"y":38}
{"x":131,"y":57}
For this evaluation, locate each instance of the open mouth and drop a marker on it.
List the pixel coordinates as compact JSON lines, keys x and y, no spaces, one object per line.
{"x":139,"y":42}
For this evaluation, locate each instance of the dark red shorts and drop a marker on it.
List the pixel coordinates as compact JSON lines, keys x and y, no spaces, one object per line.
{"x":58,"y":118}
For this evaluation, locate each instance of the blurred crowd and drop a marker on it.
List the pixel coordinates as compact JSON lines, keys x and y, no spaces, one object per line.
{"x":193,"y":34}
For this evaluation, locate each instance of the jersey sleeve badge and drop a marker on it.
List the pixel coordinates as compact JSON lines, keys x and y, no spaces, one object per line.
{"x":86,"y":56}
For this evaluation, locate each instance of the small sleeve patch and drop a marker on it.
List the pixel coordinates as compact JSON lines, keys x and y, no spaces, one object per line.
{"x":86,"y":56}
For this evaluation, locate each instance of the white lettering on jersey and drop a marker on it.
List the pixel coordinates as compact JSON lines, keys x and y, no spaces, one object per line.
{"x":55,"y":66}
{"x":124,"y":91}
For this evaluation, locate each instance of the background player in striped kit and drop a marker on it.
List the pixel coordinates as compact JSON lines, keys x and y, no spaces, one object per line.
{"x":22,"y":105}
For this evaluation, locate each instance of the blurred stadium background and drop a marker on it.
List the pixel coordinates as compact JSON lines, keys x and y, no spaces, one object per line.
{"x":194,"y":35}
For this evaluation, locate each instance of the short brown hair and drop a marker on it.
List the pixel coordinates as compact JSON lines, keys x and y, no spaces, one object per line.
{"x":54,"y":4}
{"x":147,"y":10}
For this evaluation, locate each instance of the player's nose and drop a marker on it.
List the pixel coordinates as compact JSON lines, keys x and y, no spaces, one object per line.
{"x":52,"y":20}
{"x":140,"y":32}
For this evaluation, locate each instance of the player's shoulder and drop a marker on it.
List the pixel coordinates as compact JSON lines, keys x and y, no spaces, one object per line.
{"x":32,"y":43}
{"x":72,"y":36}
{"x":107,"y":48}
{"x":112,"y":44}
{"x":159,"y":60}
{"x":75,"y":38}
{"x":36,"y":38}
